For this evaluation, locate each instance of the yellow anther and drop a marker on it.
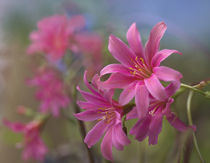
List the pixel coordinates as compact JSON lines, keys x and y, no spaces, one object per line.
{"x":136,"y":58}
{"x":142,"y":60}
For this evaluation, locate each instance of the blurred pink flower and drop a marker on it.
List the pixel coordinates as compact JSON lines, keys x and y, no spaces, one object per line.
{"x":34,"y":147}
{"x":100,"y":106}
{"x":50,"y":91}
{"x":91,"y":45}
{"x":53,"y":35}
{"x":140,"y":72}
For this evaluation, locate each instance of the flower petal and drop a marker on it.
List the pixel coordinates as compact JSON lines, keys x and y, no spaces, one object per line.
{"x":114,"y":68}
{"x":89,"y":86}
{"x":141,"y":128}
{"x":92,"y":98}
{"x":118,"y":80}
{"x":87,"y":105}
{"x":142,"y":100}
{"x":176,"y":122}
{"x":122,"y":138}
{"x":120,"y":51}
{"x":155,"y":87}
{"x":134,"y":40}
{"x":106,"y":145}
{"x":76,"y":23}
{"x":127,"y":94}
{"x":115,"y":141}
{"x":89,"y":115}
{"x":167,"y":74}
{"x":16,"y":127}
{"x":162,"y":55}
{"x":155,"y":128}
{"x":172,"y":88}
{"x":95,"y":133}
{"x":132,"y":114}
{"x":153,"y":44}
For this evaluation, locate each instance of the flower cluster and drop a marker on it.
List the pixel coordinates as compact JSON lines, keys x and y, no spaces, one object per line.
{"x":101,"y":107}
{"x":33,"y":144}
{"x":50,"y":91}
{"x":57,"y":34}
{"x":56,"y":37}
{"x":139,"y":74}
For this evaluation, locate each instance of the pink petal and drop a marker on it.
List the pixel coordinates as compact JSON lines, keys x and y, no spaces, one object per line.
{"x":114,"y":68}
{"x":155,"y":128}
{"x":167,"y":74}
{"x":118,"y":80}
{"x":155,"y":87}
{"x":141,"y":128}
{"x":115,"y":141}
{"x":106,"y":145}
{"x":127,"y":94}
{"x":89,"y":115}
{"x":142,"y":100}
{"x":89,"y":86}
{"x":120,"y":51}
{"x":16,"y":127}
{"x":76,"y":23}
{"x":162,"y":55}
{"x":87,"y":105}
{"x":175,"y":122}
{"x":95,"y":133}
{"x":172,"y":88}
{"x":134,"y":40}
{"x":92,"y":98}
{"x":122,"y":138}
{"x":108,"y":94}
{"x":153,"y":44}
{"x":132,"y":114}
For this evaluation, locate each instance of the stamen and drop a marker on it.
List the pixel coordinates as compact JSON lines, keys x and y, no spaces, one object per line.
{"x":140,"y":69}
{"x":108,"y":114}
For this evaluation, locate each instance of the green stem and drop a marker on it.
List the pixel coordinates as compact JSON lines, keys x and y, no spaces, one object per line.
{"x":189,"y":99}
{"x":82,"y":126}
{"x":193,"y":88}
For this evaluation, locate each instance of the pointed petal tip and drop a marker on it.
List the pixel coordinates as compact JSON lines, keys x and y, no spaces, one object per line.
{"x":111,"y":36}
{"x":86,"y":142}
{"x":133,"y":25}
{"x":78,"y":88}
{"x":162,"y":23}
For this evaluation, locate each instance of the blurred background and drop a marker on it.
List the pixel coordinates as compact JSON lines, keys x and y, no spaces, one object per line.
{"x":188,"y":31}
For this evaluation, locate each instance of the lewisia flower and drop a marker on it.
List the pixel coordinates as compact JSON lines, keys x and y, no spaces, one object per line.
{"x":140,"y":72}
{"x":100,"y":106}
{"x":50,"y":91}
{"x":53,"y":35}
{"x":91,"y":46}
{"x":151,"y":124}
{"x":33,"y":145}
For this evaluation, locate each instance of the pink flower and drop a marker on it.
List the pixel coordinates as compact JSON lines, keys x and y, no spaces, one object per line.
{"x":151,"y":124}
{"x":33,"y":144}
{"x":100,"y":106}
{"x":140,"y":72}
{"x":91,"y":45}
{"x":50,"y":91}
{"x":53,"y":35}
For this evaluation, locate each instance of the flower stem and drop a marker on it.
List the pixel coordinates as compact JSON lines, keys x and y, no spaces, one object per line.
{"x":193,"y":88}
{"x":81,"y":126}
{"x":189,"y":99}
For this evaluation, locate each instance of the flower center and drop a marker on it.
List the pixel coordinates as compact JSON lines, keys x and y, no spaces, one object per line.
{"x":108,"y":114}
{"x":140,"y":69}
{"x":156,"y":106}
